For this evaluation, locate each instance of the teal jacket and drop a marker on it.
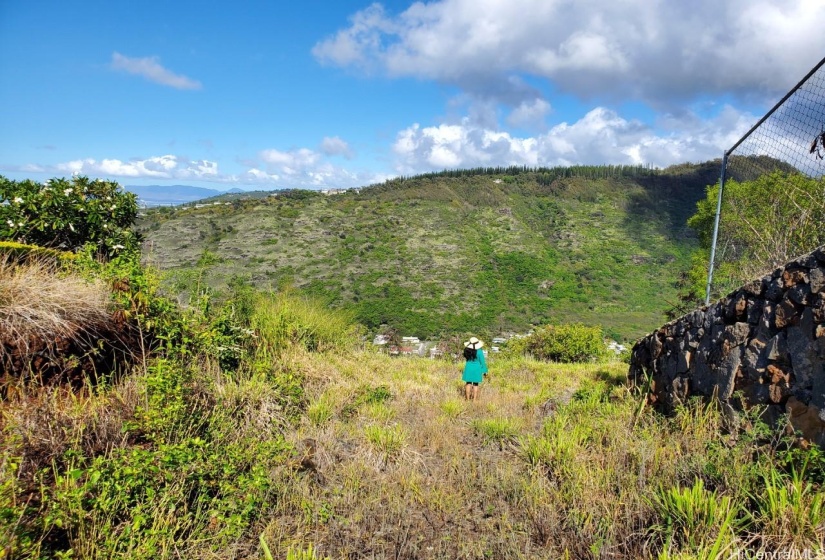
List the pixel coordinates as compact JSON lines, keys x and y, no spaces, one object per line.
{"x":474,"y":370}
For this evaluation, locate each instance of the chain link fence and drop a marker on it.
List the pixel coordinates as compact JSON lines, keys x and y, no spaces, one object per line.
{"x":771,"y":195}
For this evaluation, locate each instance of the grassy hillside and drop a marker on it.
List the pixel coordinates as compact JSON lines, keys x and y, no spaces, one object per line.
{"x":260,"y":429}
{"x":479,"y":250}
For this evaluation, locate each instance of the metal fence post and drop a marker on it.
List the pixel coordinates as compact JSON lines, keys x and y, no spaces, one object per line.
{"x":716,"y":228}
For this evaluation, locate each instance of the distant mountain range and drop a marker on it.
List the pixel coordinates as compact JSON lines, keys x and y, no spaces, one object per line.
{"x":171,"y":195}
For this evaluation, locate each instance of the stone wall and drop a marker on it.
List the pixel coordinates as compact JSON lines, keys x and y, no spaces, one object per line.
{"x":763,"y":344}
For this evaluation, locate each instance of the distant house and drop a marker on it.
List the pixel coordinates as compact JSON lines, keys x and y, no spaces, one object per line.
{"x":380,"y":340}
{"x":616,"y":347}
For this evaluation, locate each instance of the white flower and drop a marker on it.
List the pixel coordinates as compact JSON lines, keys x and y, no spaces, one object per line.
{"x":113,"y":207}
{"x":21,"y":224}
{"x":11,"y":224}
{"x":118,"y":246}
{"x":67,"y":191}
{"x":18,"y":200}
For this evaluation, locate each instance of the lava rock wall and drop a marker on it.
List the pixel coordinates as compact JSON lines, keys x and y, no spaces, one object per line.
{"x":763,"y":344}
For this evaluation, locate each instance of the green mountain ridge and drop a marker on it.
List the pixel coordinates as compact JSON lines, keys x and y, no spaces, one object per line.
{"x":486,"y":250}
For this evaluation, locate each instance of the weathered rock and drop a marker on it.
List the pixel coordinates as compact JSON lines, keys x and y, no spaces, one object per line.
{"x":818,"y":307}
{"x":793,"y":277}
{"x":655,"y":347}
{"x":801,"y":350}
{"x":774,"y":290}
{"x":807,"y":420}
{"x":817,"y":280}
{"x":757,"y":393}
{"x":766,"y":340}
{"x":683,"y":362}
{"x":777,"y":373}
{"x":741,"y":307}
{"x":778,"y":393}
{"x":800,"y":294}
{"x":755,"y":287}
{"x":754,"y":359}
{"x":785,"y":314}
{"x":737,"y":334}
{"x":805,"y":261}
{"x":754,"y":311}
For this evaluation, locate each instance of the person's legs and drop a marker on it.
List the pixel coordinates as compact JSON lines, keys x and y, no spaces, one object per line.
{"x":475,"y":391}
{"x":467,"y":391}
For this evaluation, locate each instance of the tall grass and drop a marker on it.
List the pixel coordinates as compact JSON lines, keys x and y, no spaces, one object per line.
{"x":694,"y":517}
{"x":790,"y":511}
{"x":286,"y":320}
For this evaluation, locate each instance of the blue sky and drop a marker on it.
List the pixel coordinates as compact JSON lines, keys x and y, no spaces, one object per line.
{"x":315,"y":94}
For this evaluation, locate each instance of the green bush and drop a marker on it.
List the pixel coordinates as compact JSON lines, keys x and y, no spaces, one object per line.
{"x":564,"y":343}
{"x":69,"y":213}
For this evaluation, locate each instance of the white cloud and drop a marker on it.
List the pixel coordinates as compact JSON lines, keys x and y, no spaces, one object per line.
{"x":291,"y":162}
{"x":334,"y":146}
{"x":161,"y":167}
{"x":151,"y":69}
{"x":462,"y":145}
{"x":602,"y":136}
{"x":660,"y":52}
{"x":305,"y":168}
{"x":529,"y":114}
{"x":352,"y":46}
{"x":257,"y":176}
{"x":299,"y":168}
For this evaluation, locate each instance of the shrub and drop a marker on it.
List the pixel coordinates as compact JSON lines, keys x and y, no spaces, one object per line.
{"x":565,"y":343}
{"x":69,"y":213}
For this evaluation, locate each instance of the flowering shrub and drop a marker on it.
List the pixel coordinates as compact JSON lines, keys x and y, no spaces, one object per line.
{"x":563,"y":343}
{"x":68,"y":214}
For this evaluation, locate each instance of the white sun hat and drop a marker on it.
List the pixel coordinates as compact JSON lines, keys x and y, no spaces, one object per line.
{"x":473,"y":343}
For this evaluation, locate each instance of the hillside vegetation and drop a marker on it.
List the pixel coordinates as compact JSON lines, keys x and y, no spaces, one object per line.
{"x":260,"y":425}
{"x":294,"y":443}
{"x":486,"y":250}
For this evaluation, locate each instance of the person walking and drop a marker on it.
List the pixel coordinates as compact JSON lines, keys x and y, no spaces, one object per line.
{"x":475,"y":367}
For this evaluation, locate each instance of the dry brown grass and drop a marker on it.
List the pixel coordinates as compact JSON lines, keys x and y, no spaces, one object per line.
{"x":38,"y":303}
{"x":48,"y":317}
